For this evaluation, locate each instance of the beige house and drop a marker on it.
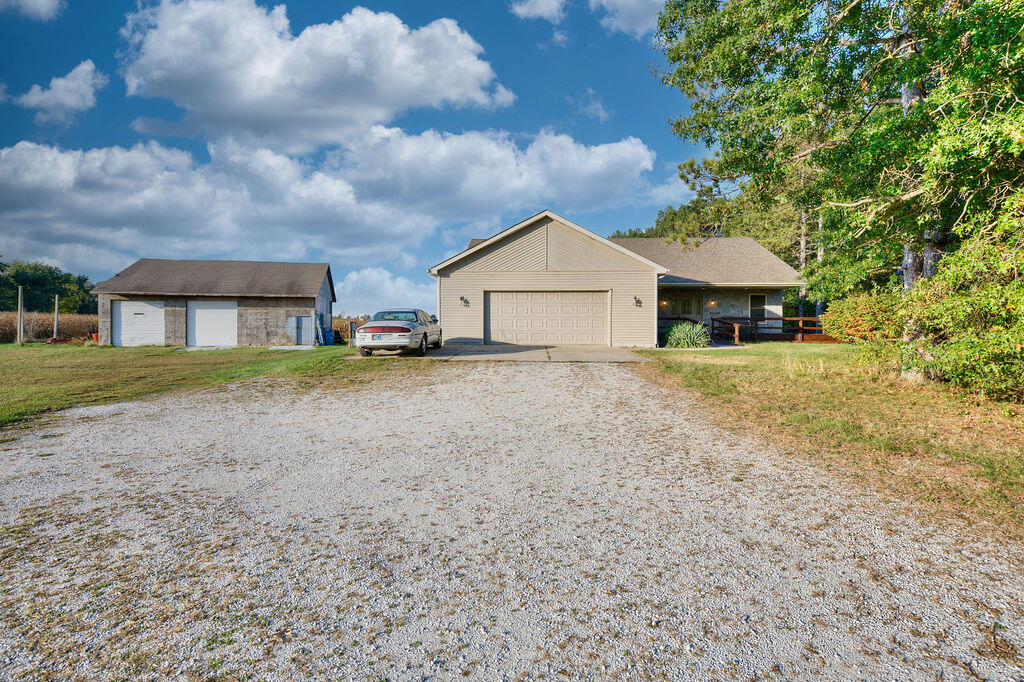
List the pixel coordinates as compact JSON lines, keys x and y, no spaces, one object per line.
{"x":159,"y":302}
{"x":547,"y":280}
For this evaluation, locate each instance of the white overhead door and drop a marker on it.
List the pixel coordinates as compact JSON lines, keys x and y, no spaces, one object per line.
{"x":212,"y":323}
{"x":137,"y":323}
{"x":546,"y":317}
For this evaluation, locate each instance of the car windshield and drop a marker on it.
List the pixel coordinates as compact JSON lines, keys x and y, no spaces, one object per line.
{"x":399,"y":315}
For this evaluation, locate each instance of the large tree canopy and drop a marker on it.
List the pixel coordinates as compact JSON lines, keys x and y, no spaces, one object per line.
{"x":899,"y":124}
{"x":903,"y":116}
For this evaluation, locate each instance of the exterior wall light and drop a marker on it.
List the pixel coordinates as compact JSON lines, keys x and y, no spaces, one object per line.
{"x":637,"y":302}
{"x":712,"y":303}
{"x":464,"y":301}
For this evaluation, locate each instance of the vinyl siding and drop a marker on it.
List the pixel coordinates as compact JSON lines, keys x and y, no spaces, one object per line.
{"x":550,"y":256}
{"x":524,"y":251}
{"x":630,"y":325}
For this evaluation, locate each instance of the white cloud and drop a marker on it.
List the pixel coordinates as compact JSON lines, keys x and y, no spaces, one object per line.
{"x":105,"y":207}
{"x":551,"y":10}
{"x":238,"y":71}
{"x":635,"y":17}
{"x":44,"y":10}
{"x":375,"y":201}
{"x":476,"y":176}
{"x":559,"y":38}
{"x":590,"y":104}
{"x":66,"y":96}
{"x":371,"y":289}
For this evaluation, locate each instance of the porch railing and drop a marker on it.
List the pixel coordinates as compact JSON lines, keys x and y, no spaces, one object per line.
{"x":799,"y":329}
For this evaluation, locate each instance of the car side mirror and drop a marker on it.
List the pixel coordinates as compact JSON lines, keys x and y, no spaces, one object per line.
{"x":433,"y":318}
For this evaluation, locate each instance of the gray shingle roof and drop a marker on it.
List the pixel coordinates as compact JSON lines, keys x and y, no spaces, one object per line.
{"x":716,"y":261}
{"x":218,"y":278}
{"x":473,"y":242}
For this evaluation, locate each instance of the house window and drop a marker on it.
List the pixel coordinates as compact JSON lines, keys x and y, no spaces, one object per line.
{"x":675,"y":305}
{"x":758,"y":306}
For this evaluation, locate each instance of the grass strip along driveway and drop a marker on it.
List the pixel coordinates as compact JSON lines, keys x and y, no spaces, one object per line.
{"x":38,"y":378}
{"x":958,"y":452}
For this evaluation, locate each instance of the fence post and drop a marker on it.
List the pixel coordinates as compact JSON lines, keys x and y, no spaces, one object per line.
{"x":21,"y":317}
{"x":351,"y":333}
{"x":56,"y":313}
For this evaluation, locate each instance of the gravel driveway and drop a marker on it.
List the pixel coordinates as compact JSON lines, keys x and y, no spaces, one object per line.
{"x":500,"y":521}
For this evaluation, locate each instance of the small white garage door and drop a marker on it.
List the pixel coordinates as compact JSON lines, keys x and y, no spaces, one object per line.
{"x":137,"y":323}
{"x":212,"y":323}
{"x":546,"y":317}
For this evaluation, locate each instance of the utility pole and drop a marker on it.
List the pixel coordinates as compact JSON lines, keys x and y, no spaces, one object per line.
{"x":21,"y":316}
{"x":56,"y":313}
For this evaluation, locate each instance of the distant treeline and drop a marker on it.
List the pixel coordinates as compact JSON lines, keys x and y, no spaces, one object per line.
{"x":41,"y":283}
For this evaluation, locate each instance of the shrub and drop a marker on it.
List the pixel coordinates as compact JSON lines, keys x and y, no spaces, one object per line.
{"x":865,"y":317}
{"x":688,"y":335}
{"x":39,"y":326}
{"x":971,"y":313}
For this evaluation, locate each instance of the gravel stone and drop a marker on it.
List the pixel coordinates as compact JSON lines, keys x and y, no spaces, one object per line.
{"x":501,"y":521}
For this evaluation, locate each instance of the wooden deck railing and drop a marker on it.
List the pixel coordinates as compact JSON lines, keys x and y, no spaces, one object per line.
{"x":801,"y":329}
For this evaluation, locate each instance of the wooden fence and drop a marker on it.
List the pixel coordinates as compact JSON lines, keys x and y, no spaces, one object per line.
{"x":798,"y":329}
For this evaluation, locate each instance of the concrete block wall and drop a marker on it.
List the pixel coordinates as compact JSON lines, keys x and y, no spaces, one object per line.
{"x":261,"y":321}
{"x":736,"y":302}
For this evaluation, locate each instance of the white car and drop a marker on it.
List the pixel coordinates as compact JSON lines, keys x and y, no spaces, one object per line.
{"x":400,"y":329}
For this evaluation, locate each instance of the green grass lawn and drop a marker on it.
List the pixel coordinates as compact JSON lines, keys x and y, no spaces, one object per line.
{"x":837,"y":407}
{"x":36,"y":378}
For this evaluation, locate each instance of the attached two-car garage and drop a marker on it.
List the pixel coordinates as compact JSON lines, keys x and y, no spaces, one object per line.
{"x":548,"y":281}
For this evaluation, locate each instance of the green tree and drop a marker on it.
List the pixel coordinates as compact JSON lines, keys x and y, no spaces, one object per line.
{"x":41,"y":282}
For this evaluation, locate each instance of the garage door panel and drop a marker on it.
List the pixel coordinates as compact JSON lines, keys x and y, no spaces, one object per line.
{"x":546,"y":317}
{"x":137,"y":323}
{"x":212,"y":323}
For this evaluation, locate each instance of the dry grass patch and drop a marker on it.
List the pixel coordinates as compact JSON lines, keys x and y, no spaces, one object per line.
{"x":960,"y":453}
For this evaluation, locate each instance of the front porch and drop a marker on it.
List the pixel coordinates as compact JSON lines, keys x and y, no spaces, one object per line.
{"x":734,"y":315}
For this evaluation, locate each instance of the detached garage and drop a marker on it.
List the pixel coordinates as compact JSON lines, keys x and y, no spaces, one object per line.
{"x":156,"y":302}
{"x":548,"y":281}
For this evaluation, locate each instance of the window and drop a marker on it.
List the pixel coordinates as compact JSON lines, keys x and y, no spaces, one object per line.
{"x":675,"y":305}
{"x":758,"y":306}
{"x":395,"y":315}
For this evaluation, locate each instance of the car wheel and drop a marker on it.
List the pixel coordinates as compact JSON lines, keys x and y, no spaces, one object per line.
{"x":437,"y":344}
{"x":365,"y":352}
{"x":422,"y":350}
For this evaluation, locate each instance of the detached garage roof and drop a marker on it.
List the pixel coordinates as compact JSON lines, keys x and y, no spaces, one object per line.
{"x":719,"y":261}
{"x":219,"y":278}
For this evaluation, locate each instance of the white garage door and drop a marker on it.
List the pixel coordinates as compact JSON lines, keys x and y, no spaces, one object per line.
{"x":546,"y":317}
{"x":137,"y":323}
{"x":212,"y":323}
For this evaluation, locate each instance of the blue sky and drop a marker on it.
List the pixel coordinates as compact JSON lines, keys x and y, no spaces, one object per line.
{"x":379,"y":137}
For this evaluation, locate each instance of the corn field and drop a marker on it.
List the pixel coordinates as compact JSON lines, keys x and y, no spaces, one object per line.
{"x":340,"y":326}
{"x":39,"y":326}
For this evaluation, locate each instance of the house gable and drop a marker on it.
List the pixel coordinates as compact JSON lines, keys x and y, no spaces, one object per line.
{"x":549,"y":243}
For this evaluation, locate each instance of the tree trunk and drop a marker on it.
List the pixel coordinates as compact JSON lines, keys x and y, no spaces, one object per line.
{"x":803,"y":260}
{"x":819,"y":305}
{"x":912,"y":267}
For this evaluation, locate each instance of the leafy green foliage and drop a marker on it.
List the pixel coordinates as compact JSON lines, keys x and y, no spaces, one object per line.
{"x":41,"y":282}
{"x":688,"y":335}
{"x":866,"y":317}
{"x":901,"y":123}
{"x":972,"y":312}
